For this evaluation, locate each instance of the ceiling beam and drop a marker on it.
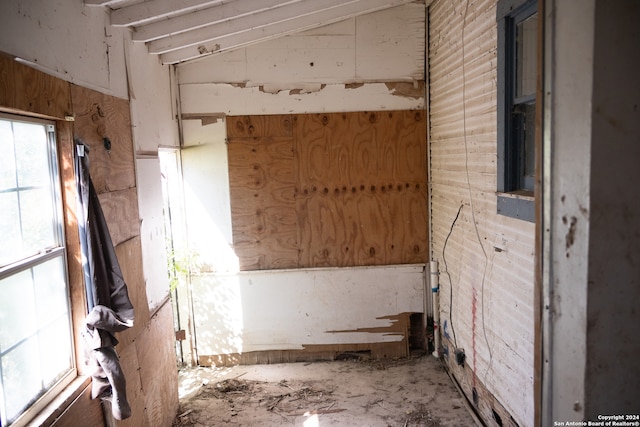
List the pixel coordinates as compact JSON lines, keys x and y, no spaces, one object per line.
{"x":113,"y":3}
{"x":225,"y":41}
{"x":205,"y":17}
{"x":261,"y":19}
{"x":153,"y":10}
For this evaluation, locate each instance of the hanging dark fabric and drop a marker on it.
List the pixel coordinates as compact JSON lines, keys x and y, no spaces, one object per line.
{"x":108,"y":305}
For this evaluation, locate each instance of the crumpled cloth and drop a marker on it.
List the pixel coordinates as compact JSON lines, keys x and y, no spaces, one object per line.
{"x":109,"y":307}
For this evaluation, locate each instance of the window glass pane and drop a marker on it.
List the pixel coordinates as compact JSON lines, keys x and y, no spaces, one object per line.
{"x":51,"y":291}
{"x":32,"y":154}
{"x":38,"y":226}
{"x":529,"y":151}
{"x":526,"y":52}
{"x":35,"y":330}
{"x":55,"y":355}
{"x":7,"y":159}
{"x":17,"y":309}
{"x":11,"y":245}
{"x":21,"y":377}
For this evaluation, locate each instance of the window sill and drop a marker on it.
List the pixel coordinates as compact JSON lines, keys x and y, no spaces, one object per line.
{"x":58,"y":405}
{"x":517,"y":204}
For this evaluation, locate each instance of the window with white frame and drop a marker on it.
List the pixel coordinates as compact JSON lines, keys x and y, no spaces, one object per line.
{"x":517,"y":72}
{"x":36,"y":353}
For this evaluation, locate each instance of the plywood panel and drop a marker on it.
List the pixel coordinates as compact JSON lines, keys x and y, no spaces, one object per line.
{"x":359,"y":186}
{"x":158,"y":371}
{"x":136,"y":394}
{"x":363,"y":195}
{"x":83,"y":408}
{"x":129,"y":255}
{"x":258,"y":126}
{"x":99,"y":116}
{"x":262,"y":201}
{"x":24,"y":89}
{"x":121,"y":213}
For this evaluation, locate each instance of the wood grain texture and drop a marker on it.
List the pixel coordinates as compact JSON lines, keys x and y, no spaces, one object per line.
{"x":359,"y":186}
{"x":262,"y":202}
{"x":136,"y":394}
{"x":99,"y":116}
{"x":83,"y":411}
{"x":158,"y":372}
{"x":259,"y":126}
{"x":129,"y":255}
{"x":120,"y":210}
{"x":25,"y":89}
{"x":77,"y":291}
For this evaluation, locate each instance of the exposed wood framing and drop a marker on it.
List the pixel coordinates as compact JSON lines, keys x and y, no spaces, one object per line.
{"x":188,"y":29}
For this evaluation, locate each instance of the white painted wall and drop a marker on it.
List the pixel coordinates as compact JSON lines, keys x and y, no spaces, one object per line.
{"x":307,"y":72}
{"x":486,"y":260}
{"x":316,"y":71}
{"x":154,"y":125}
{"x":66,"y":39}
{"x":76,"y":43}
{"x":286,"y":310}
{"x":592,"y":245}
{"x":572,"y":80}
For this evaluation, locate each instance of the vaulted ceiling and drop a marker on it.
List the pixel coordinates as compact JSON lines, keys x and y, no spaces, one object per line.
{"x":182,"y":30}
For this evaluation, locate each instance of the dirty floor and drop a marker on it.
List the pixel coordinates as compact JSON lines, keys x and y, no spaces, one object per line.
{"x":404,"y":392}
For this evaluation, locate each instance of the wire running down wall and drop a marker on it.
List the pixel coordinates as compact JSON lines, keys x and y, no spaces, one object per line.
{"x":328,"y":190}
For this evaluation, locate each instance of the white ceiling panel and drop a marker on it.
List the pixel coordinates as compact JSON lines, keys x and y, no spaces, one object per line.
{"x":183,"y":30}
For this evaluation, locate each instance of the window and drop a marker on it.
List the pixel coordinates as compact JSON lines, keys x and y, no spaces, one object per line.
{"x":36,"y":353}
{"x":517,"y":71}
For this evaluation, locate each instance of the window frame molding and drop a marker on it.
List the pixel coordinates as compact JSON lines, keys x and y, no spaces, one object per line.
{"x":514,"y":204}
{"x":52,"y":393}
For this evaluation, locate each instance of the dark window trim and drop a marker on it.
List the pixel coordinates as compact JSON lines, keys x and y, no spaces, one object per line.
{"x":521,"y":207}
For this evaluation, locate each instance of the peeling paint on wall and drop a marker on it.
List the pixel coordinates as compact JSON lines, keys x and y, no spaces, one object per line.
{"x":413,"y":90}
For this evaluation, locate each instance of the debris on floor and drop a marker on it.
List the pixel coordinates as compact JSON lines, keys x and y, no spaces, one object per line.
{"x":352,"y":392}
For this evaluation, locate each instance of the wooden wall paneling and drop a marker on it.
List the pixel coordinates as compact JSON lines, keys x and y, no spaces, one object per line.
{"x":136,"y":395}
{"x":120,"y":210}
{"x":323,"y":243}
{"x":323,"y":158}
{"x":129,"y":255}
{"x":77,"y":292}
{"x":159,"y":379}
{"x":408,"y":242}
{"x":359,"y":185}
{"x":83,"y":411}
{"x":98,"y":116}
{"x":262,"y":202}
{"x":259,"y":126}
{"x":25,"y":89}
{"x":373,"y":164}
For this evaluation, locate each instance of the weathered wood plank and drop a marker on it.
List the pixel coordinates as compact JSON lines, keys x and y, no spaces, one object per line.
{"x":25,"y":89}
{"x":129,"y":255}
{"x":136,"y":394}
{"x":99,"y":116}
{"x":359,"y":187}
{"x":83,"y":408}
{"x":158,"y":372}
{"x":259,"y":126}
{"x":262,"y":201}
{"x":121,"y":213}
{"x":362,"y":196}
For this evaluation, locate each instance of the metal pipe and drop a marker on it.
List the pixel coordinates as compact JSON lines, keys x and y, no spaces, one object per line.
{"x":435,"y":289}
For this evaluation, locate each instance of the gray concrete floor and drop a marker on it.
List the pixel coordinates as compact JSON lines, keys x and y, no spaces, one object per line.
{"x":405,"y":392}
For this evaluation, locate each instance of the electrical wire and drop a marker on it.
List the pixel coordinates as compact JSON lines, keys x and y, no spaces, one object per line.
{"x":466,"y":166}
{"x":446,"y":270}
